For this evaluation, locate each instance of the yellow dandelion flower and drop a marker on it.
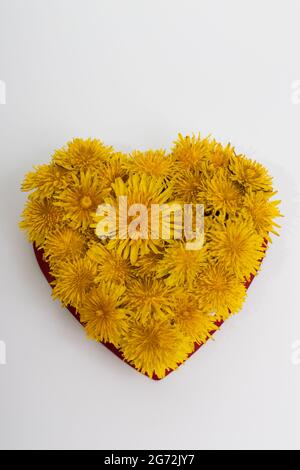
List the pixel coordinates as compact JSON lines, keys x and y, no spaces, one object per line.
{"x":64,"y":244}
{"x":220,"y":290}
{"x":220,"y":156}
{"x":103,"y":314}
{"x":192,"y":319}
{"x":153,"y":163}
{"x":111,"y":266}
{"x":156,"y":347}
{"x":187,"y":185}
{"x":180,"y":266}
{"x":146,"y":265}
{"x":149,"y":298}
{"x":83,"y":155}
{"x":46,"y":180}
{"x":81,"y":199}
{"x":139,"y":190}
{"x":262,"y":211}
{"x":188,"y":151}
{"x":74,"y":278}
{"x":237,"y":247}
{"x":250,"y":174}
{"x":221,"y":194}
{"x":40,"y":217}
{"x":113,"y":169}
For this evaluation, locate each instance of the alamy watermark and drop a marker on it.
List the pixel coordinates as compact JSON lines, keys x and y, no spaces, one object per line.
{"x":2,"y":92}
{"x":2,"y":353}
{"x":161,"y":221}
{"x":295,"y":92}
{"x":295,"y":357}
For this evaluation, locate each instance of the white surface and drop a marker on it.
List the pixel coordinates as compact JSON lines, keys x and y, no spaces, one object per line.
{"x":135,"y":73}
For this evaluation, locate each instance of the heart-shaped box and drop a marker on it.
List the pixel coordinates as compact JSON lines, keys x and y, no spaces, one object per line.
{"x":153,"y":294}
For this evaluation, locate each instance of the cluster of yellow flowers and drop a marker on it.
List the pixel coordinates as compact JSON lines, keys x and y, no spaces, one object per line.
{"x":152,"y":299}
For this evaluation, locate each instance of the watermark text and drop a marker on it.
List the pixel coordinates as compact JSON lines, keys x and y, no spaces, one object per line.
{"x":159,"y":221}
{"x":295,"y":357}
{"x":2,"y":353}
{"x":295,"y":92}
{"x":2,"y":92}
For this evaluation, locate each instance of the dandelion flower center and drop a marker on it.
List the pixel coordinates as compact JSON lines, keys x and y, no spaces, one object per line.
{"x":86,"y":202}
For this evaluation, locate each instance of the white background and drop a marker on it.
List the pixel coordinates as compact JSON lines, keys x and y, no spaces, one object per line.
{"x":135,"y":73}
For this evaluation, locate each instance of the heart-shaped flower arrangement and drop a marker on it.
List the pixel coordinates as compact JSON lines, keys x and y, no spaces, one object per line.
{"x":149,"y":299}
